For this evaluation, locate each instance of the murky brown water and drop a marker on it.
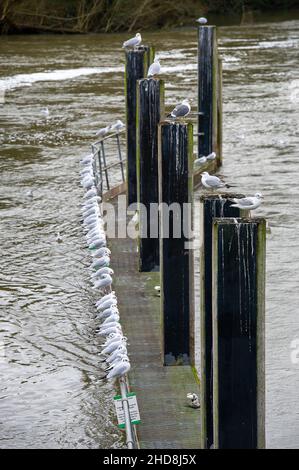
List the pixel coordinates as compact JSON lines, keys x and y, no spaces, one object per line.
{"x":50,"y":394}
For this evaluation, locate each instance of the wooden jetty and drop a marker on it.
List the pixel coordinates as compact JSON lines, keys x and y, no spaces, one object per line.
{"x":163,"y":332}
{"x":166,"y":419}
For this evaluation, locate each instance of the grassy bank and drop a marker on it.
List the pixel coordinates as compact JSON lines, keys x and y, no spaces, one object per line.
{"x":83,"y":16}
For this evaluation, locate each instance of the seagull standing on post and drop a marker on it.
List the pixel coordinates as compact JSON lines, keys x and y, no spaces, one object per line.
{"x":212,"y":182}
{"x":181,"y":110}
{"x":202,"y":20}
{"x":248,"y":203}
{"x":133,"y":42}
{"x":155,"y":68}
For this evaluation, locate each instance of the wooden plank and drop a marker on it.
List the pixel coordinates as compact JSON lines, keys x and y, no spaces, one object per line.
{"x":167,"y":422}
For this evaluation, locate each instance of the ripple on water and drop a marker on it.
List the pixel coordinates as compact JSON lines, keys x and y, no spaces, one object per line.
{"x":51,"y":394}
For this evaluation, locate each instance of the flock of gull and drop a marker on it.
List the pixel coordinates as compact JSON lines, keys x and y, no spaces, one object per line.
{"x":114,"y":351}
{"x":181,"y":111}
{"x":114,"y":348}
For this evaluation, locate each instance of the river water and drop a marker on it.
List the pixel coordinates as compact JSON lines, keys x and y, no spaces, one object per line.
{"x":50,"y":391}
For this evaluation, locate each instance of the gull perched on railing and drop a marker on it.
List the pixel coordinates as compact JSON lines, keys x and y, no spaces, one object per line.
{"x":120,"y":369}
{"x":133,"y":42}
{"x":103,"y":131}
{"x":117,"y":126}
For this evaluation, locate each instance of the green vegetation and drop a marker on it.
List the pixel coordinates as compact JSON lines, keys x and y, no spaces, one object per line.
{"x":82,"y":16}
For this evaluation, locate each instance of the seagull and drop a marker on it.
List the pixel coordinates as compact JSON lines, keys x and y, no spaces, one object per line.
{"x":45,"y":112}
{"x":212,"y":182}
{"x":112,"y":329}
{"x":108,"y":312}
{"x":101,"y":262}
{"x":103,"y":131}
{"x":202,"y":20}
{"x":133,"y":42}
{"x":104,"y":270}
{"x":248,"y":203}
{"x":200,"y":161}
{"x":90,"y":193}
{"x":155,"y":68}
{"x":109,"y":298}
{"x":112,"y":318}
{"x":114,"y":344}
{"x":115,"y":339}
{"x":120,"y":369}
{"x":104,"y":281}
{"x":87,"y":159}
{"x":119,"y":350}
{"x":29,"y":194}
{"x":101,"y":252}
{"x":194,"y":400}
{"x":106,"y":297}
{"x":93,"y":209}
{"x":58,"y":237}
{"x":97,"y":242}
{"x":135,"y":218}
{"x":117,"y":126}
{"x":211,"y":156}
{"x":88,"y":182}
{"x":116,"y":361}
{"x":108,"y":307}
{"x":181,"y":110}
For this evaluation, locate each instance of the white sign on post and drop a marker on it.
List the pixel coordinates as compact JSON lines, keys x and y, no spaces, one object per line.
{"x":133,"y":408}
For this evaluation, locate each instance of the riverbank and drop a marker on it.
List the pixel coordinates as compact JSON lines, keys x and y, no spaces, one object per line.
{"x":31,"y":16}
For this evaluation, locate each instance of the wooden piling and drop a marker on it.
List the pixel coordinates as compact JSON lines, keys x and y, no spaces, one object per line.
{"x":210,"y":206}
{"x":176,"y":259}
{"x":150,"y":109}
{"x":238,"y":333}
{"x":219,"y":114}
{"x":207,"y":90}
{"x":137,"y":63}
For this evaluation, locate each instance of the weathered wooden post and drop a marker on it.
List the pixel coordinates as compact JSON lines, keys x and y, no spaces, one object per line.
{"x":150,"y":109}
{"x":176,"y":259}
{"x":219,"y":114}
{"x":137,"y":63}
{"x":208,"y":90}
{"x":210,"y":206}
{"x":239,"y":333}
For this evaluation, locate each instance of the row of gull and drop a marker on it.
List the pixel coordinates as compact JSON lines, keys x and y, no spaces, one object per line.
{"x":114,"y":348}
{"x":181,"y":111}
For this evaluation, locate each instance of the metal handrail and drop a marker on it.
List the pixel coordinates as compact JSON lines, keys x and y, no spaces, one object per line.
{"x":130,"y":440}
{"x":98,"y":150}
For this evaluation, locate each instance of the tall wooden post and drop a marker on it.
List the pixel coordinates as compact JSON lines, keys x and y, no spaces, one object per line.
{"x":207,"y":90}
{"x":219,"y":114}
{"x":137,"y":63}
{"x":210,"y":206}
{"x":176,"y":259}
{"x":239,"y":333}
{"x":150,"y":109}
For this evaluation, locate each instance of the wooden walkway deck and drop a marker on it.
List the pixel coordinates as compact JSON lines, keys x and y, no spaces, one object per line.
{"x":166,"y":419}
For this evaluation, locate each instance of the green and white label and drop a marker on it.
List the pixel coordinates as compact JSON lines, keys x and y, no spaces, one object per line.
{"x":133,"y":408}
